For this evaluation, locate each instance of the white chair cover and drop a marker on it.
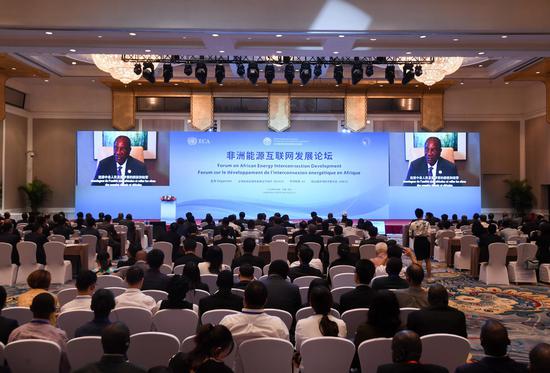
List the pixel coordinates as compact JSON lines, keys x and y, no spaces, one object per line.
{"x":165,"y":269}
{"x":325,"y":239}
{"x":404,"y":314}
{"x":215,"y":316}
{"x":367,"y":251}
{"x":116,"y":290}
{"x":194,"y":296}
{"x":494,"y":272}
{"x":327,"y":355}
{"x":33,"y":355}
{"x":278,"y":251}
{"x":353,"y":318}
{"x":462,"y":257}
{"x":353,"y":239}
{"x":375,"y":277}
{"x":316,"y":247}
{"x":305,"y":312}
{"x":303,"y":294}
{"x":91,"y":240}
{"x":518,"y":239}
{"x":440,"y":250}
{"x":151,"y":349}
{"x":105,"y":281}
{"x":166,"y":248}
{"x":60,"y":269}
{"x":69,"y":321}
{"x":343,"y":279}
{"x":27,"y":260}
{"x":56,"y":238}
{"x":332,"y":251}
{"x":239,"y":292}
{"x":266,"y":355}
{"x":8,"y":271}
{"x":199,"y":250}
{"x":516,"y":270}
{"x":188,"y":344}
{"x":83,"y":351}
{"x":336,"y":270}
{"x":544,"y":273}
{"x":279,"y":237}
{"x":337,"y":292}
{"x":178,"y":270}
{"x":285,"y":316}
{"x":136,"y":319}
{"x":228,"y":250}
{"x":304,"y":280}
{"x":157,"y":295}
{"x":66,"y":295}
{"x":22,"y":314}
{"x":446,"y":350}
{"x":373,"y":353}
{"x":210,"y":280}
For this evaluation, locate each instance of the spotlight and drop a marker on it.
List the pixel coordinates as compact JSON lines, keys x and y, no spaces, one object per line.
{"x":137,"y":69}
{"x":317,"y":70}
{"x":338,"y":74}
{"x":201,"y":72}
{"x":269,"y":73}
{"x":240,"y":69}
{"x":167,"y":72}
{"x":220,"y":73}
{"x":188,"y":69}
{"x":356,"y":72}
{"x":252,"y":72}
{"x":408,"y":73}
{"x":369,"y":70}
{"x":390,"y":74}
{"x":305,"y":72}
{"x":289,"y":73}
{"x":418,"y":70}
{"x":149,"y":71}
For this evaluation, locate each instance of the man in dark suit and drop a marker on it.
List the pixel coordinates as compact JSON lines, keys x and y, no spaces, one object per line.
{"x":7,"y":236}
{"x":438,"y":317}
{"x":223,"y":298}
{"x":39,"y":239}
{"x":90,"y":229}
{"x":121,"y":167}
{"x":154,"y":279}
{"x":114,"y":239}
{"x":429,"y":169}
{"x":338,"y":236}
{"x":406,"y":349}
{"x":301,"y":231}
{"x":249,"y":244}
{"x":189,"y":255}
{"x":362,"y":295}
{"x":311,"y":236}
{"x":281,"y":294}
{"x":61,"y":226}
{"x":486,"y":240}
{"x":539,"y":358}
{"x":392,"y":280}
{"x":305,"y":254}
{"x":115,"y":340}
{"x":174,"y":238}
{"x":6,"y":325}
{"x":373,"y":237}
{"x":275,"y":229}
{"x":103,"y":302}
{"x":494,"y":340}
{"x":246,"y":275}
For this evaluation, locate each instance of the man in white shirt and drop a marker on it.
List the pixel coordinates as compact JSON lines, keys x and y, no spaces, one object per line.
{"x":253,"y":322}
{"x":133,"y":297}
{"x":85,"y":286}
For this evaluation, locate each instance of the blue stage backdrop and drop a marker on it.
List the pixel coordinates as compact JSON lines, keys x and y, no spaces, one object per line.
{"x":362,"y":174}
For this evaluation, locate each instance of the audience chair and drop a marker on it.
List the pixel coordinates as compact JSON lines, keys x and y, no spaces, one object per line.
{"x":188,"y":344}
{"x":257,"y":271}
{"x":8,"y":271}
{"x":343,"y":279}
{"x":66,"y":295}
{"x":337,"y":292}
{"x":446,"y":350}
{"x":215,"y":316}
{"x":69,"y":321}
{"x":462,"y":257}
{"x":33,"y":355}
{"x":303,"y":294}
{"x":83,"y":351}
{"x":440,"y":250}
{"x":199,"y":250}
{"x":544,"y":273}
{"x":165,"y":269}
{"x":210,"y":280}
{"x":367,"y":251}
{"x":22,"y":314}
{"x":157,"y":295}
{"x":404,"y":314}
{"x":518,"y":239}
{"x":375,"y":277}
{"x":60,"y":269}
{"x":105,"y":281}
{"x":166,"y":248}
{"x":304,"y":280}
{"x":116,"y":290}
{"x":325,"y":239}
{"x":373,"y":353}
{"x":103,"y":233}
{"x":178,"y":270}
{"x":327,"y":355}
{"x":353,"y":318}
{"x":285,"y":316}
{"x":121,"y":271}
{"x":137,"y":319}
{"x":353,"y":239}
{"x":305,"y":312}
{"x":494,"y":272}
{"x":194,"y":296}
{"x":239,"y":292}
{"x":27,"y":260}
{"x":279,"y":237}
{"x":56,"y":238}
{"x":516,"y":270}
{"x":316,"y":249}
{"x":265,"y":270}
{"x":151,"y":349}
{"x":266,"y":355}
{"x":91,"y":251}
{"x":336,"y":270}
{"x":278,"y":251}
{"x":228,"y":250}
{"x":332,"y":251}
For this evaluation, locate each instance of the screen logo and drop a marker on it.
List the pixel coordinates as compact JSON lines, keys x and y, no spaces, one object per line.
{"x":267,"y":141}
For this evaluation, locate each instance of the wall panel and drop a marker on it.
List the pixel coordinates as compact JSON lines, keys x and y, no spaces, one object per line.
{"x":15,"y":162}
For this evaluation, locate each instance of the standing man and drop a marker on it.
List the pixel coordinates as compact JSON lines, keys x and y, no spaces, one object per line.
{"x":429,"y":169}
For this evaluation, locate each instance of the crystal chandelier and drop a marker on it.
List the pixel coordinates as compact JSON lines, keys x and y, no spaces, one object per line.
{"x":116,"y":67}
{"x":436,"y":71}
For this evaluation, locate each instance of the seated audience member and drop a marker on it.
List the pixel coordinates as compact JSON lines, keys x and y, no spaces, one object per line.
{"x":103,"y":302}
{"x":373,"y":237}
{"x":39,"y":282}
{"x":115,"y":340}
{"x":90,"y":229}
{"x":246,"y":275}
{"x":414,"y":295}
{"x":331,"y":219}
{"x":132,"y":252}
{"x":8,"y":236}
{"x":507,"y":230}
{"x":311,"y":236}
{"x":154,"y":279}
{"x":302,"y":229}
{"x":223,"y":298}
{"x":192,"y":273}
{"x":189,"y":247}
{"x":314,"y":219}
{"x":227,"y":236}
{"x":6,"y":325}
{"x":392,"y":281}
{"x":174,"y":238}
{"x":85,"y":287}
{"x":379,"y":261}
{"x":438,"y":317}
{"x":281,"y":294}
{"x":322,"y":323}
{"x":114,"y":239}
{"x":348,"y":228}
{"x":253,"y":322}
{"x":133,"y":297}
{"x":251,"y":231}
{"x":141,"y":260}
{"x":406,"y":349}
{"x":40,"y":327}
{"x":212,"y":345}
{"x":61,"y":227}
{"x":39,"y":239}
{"x":338,"y":236}
{"x":362,"y":295}
{"x":193,"y":234}
{"x":325,"y":229}
{"x":539,"y":358}
{"x":543,"y":244}
{"x":249,"y":244}
{"x":209,"y":220}
{"x":487,"y":239}
{"x":463,"y":221}
{"x":178,"y":286}
{"x":305,"y":254}
{"x":494,"y":340}
{"x":275,"y":229}
{"x":345,"y":256}
{"x":103,"y":261}
{"x":214,"y":262}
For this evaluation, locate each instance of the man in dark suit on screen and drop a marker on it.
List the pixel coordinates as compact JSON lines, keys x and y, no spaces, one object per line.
{"x":121,"y":167}
{"x":432,"y":169}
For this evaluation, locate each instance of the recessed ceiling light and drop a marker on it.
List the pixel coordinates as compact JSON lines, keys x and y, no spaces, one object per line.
{"x":99,"y":36}
{"x":537,"y":72}
{"x":408,"y":52}
{"x":249,"y":38}
{"x":279,"y":52}
{"x":147,"y":50}
{"x":506,"y":83}
{"x":504,"y":36}
{"x":49,"y":33}
{"x":279,"y":36}
{"x":416,"y":86}
{"x":215,"y":35}
{"x":337,"y":85}
{"x":380,"y":85}
{"x":341,"y":36}
{"x":176,"y":84}
{"x":46,"y":80}
{"x":461,"y":83}
{"x":72,"y":50}
{"x":139,"y":83}
{"x":308,"y":38}
{"x":372,"y":39}
{"x":73,"y":63}
{"x":422,"y":36}
{"x":93,"y":80}
{"x":132,"y":34}
{"x":335,"y":52}
{"x":222,"y":51}
{"x":184,"y":37}
{"x":481,"y":53}
{"x":456,"y":39}
{"x":480,"y":65}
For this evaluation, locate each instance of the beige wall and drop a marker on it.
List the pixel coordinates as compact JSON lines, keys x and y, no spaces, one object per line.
{"x":15,"y":162}
{"x":537,"y":158}
{"x":55,"y":154}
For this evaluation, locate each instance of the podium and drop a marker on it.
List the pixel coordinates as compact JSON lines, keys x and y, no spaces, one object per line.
{"x":168,"y":211}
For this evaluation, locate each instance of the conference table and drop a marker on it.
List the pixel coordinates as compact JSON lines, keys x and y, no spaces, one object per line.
{"x":80,"y":250}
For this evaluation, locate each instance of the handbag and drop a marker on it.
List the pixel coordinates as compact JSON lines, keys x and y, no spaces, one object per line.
{"x":531,"y":264}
